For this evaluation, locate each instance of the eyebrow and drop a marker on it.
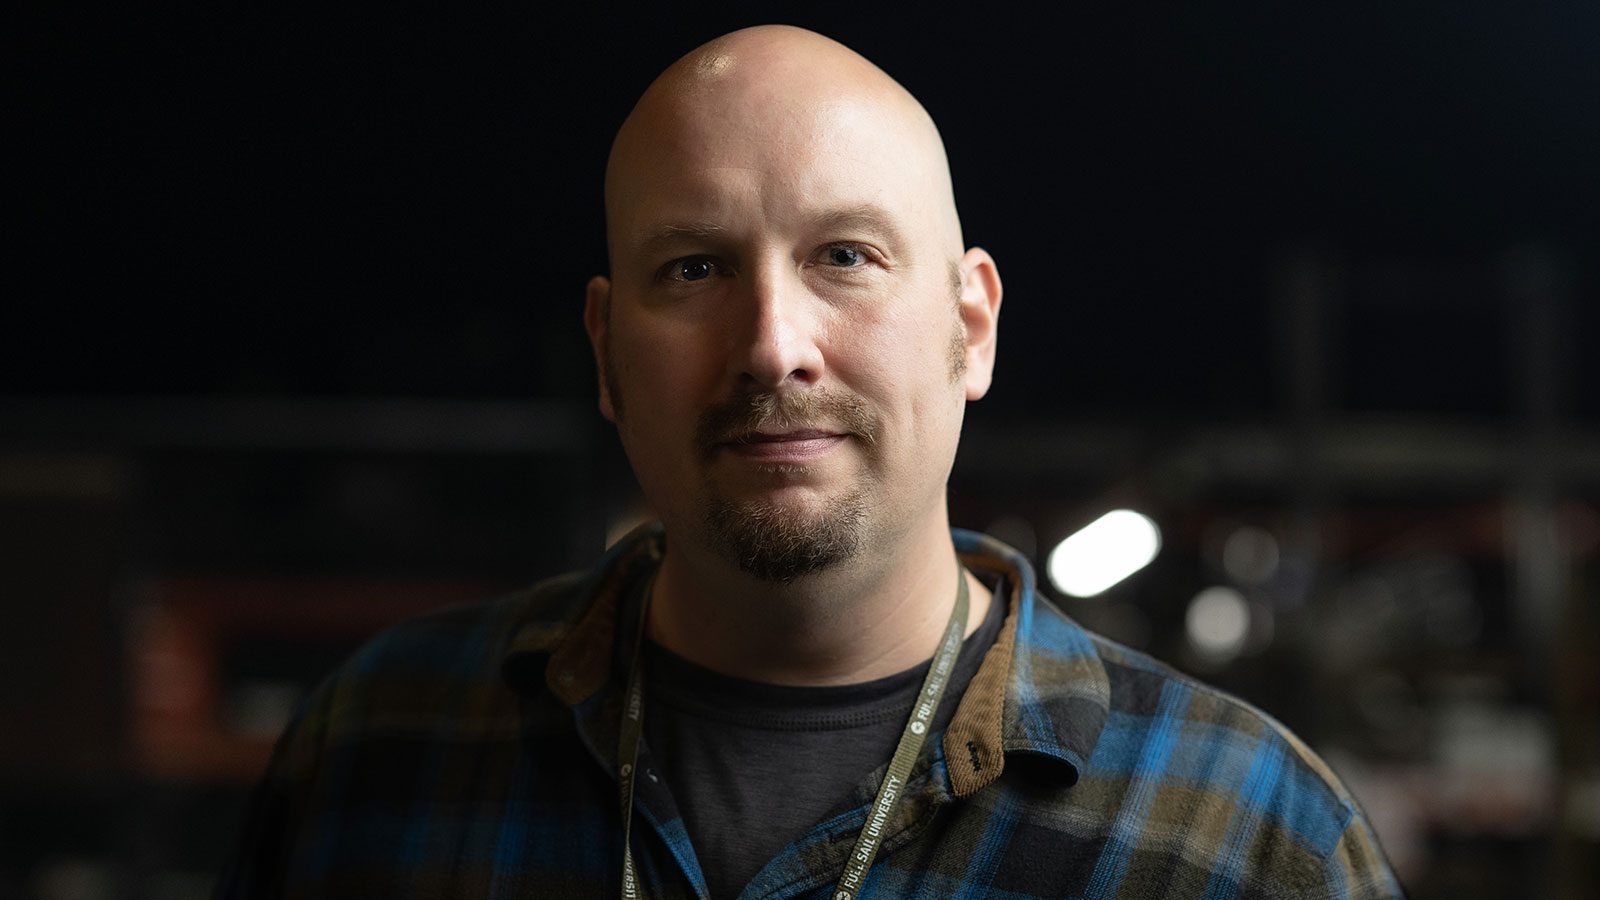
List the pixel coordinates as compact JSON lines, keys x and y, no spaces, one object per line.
{"x":864,"y":217}
{"x":673,"y":232}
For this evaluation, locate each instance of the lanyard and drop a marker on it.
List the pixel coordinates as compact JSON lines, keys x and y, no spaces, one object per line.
{"x":894,"y":780}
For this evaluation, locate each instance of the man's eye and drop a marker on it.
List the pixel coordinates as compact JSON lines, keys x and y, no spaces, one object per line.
{"x":692,"y":269}
{"x":846,"y":256}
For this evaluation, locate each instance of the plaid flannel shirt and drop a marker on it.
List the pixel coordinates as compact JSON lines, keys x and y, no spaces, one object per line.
{"x":472,"y":753}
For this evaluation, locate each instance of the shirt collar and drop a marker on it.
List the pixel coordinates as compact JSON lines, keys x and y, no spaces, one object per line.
{"x":1041,"y":690}
{"x":581,"y":647}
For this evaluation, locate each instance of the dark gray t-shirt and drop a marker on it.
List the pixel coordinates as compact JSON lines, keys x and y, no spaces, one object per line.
{"x":752,"y":766}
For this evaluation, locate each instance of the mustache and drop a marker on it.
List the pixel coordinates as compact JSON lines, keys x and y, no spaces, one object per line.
{"x":788,"y":411}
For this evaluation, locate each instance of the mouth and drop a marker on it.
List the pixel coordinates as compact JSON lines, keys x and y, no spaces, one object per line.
{"x":796,"y":446}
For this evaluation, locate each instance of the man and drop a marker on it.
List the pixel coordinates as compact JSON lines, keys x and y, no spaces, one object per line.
{"x":791,"y":687}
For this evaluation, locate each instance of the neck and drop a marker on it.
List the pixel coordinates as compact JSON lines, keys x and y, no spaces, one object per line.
{"x":873,"y":617}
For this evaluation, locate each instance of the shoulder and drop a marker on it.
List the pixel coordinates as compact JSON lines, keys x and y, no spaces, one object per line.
{"x":1218,"y":742}
{"x":1254,"y":801}
{"x":420,"y":712}
{"x":436,"y":674}
{"x":467,"y":639}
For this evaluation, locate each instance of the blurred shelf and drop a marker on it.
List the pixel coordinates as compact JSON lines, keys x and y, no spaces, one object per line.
{"x":218,"y":664}
{"x":299,"y":424}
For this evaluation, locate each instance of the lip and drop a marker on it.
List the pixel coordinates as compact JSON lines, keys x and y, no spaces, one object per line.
{"x":786,"y":447}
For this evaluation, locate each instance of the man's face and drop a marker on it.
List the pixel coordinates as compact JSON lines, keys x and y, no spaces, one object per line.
{"x":782,"y":348}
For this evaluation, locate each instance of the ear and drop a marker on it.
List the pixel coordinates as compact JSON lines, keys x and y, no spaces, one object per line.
{"x":596,"y":319}
{"x":980,"y":313}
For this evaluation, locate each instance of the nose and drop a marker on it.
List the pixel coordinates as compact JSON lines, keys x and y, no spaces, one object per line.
{"x":777,"y":344}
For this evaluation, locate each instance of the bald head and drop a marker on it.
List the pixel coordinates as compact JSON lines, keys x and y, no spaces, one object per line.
{"x":787,"y":271}
{"x":791,"y":101}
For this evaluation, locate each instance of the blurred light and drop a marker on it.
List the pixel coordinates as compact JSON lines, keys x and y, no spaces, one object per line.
{"x":1217,"y":623}
{"x":1583,"y":805}
{"x":261,"y":707}
{"x":75,"y":878}
{"x":1250,"y":555}
{"x":1104,"y":552}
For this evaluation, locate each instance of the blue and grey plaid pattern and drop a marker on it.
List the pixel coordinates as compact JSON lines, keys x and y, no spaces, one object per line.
{"x":471,"y":753}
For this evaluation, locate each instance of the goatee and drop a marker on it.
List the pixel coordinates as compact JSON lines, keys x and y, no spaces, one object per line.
{"x":775,"y":541}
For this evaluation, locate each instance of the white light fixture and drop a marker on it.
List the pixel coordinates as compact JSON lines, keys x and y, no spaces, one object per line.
{"x":1250,"y":555}
{"x":1103,"y":552}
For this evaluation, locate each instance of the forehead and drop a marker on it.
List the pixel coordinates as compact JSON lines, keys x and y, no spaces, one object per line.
{"x":769,"y":162}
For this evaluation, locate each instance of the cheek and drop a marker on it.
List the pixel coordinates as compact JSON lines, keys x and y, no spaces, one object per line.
{"x":663,"y":364}
{"x":902,"y":362}
{"x":664,"y":381}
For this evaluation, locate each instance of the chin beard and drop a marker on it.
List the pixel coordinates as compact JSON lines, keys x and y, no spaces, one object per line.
{"x":775,"y":543}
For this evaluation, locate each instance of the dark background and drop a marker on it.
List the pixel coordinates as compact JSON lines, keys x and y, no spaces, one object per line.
{"x":353,"y":203}
{"x":290,"y":347}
